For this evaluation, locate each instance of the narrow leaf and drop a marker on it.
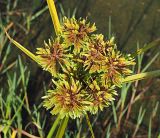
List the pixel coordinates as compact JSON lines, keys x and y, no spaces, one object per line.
{"x":150,"y":62}
{"x":147,"y":47}
{"x":22,"y":48}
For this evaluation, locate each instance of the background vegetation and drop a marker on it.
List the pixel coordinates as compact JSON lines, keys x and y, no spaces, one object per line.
{"x":135,"y":112}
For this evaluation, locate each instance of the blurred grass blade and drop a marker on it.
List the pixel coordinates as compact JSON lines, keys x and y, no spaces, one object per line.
{"x":38,"y":13}
{"x":114,"y":113}
{"x":14,"y":116}
{"x":108,"y":134}
{"x":62,"y":9}
{"x":8,"y":67}
{"x":21,"y":70}
{"x":109,"y":27}
{"x":141,"y":115}
{"x":6,"y":55}
{"x":139,"y":120}
{"x":141,"y":76}
{"x":147,"y":47}
{"x":27,"y":52}
{"x":51,"y":132}
{"x":150,"y":129}
{"x":150,"y":62}
{"x":62,"y":127}
{"x":74,"y":12}
{"x":124,"y":91}
{"x":155,"y":110}
{"x":139,"y":59}
{"x":54,"y":16}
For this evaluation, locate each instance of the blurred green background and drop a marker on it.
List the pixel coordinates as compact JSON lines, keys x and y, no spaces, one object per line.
{"x":132,"y":22}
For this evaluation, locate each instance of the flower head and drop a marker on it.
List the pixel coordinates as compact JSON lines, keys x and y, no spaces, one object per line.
{"x":95,"y":55}
{"x":51,"y":56}
{"x":94,"y":61}
{"x":68,"y":99}
{"x":76,"y":32}
{"x":101,"y":96}
{"x":97,"y":42}
{"x":116,"y":67}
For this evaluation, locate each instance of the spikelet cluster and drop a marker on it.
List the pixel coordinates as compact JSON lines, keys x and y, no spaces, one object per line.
{"x":86,"y":69}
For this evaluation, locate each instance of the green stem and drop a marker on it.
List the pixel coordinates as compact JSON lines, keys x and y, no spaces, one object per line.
{"x":141,"y":76}
{"x":51,"y":132}
{"x":61,"y":129}
{"x":90,"y":126}
{"x":54,"y":16}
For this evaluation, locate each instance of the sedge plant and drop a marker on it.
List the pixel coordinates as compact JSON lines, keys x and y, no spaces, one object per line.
{"x":86,"y":70}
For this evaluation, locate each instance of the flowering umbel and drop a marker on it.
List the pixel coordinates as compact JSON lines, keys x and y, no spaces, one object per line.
{"x":86,"y":69}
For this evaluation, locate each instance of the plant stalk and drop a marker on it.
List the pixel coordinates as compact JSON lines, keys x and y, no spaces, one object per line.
{"x":54,"y":16}
{"x":51,"y":132}
{"x":62,"y":127}
{"x":90,"y":126}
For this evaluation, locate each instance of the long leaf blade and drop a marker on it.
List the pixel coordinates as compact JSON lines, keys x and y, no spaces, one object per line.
{"x":22,"y":48}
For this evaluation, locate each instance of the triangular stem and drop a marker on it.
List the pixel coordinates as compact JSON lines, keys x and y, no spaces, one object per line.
{"x":54,"y":16}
